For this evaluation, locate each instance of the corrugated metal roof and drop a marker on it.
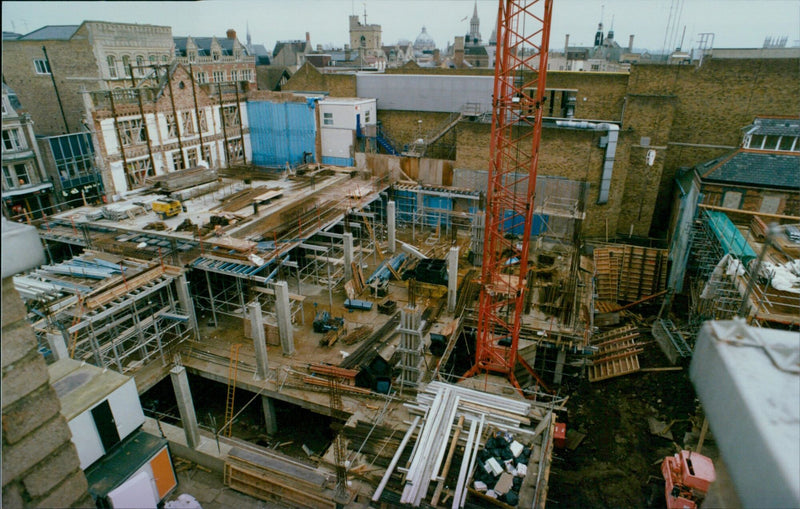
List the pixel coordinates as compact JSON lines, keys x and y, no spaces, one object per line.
{"x":763,"y":169}
{"x":51,"y":32}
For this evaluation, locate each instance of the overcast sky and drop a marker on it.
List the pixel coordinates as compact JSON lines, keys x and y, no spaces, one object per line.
{"x":655,"y":23}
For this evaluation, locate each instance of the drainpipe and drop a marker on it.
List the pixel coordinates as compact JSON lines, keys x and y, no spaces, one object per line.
{"x":611,"y":149}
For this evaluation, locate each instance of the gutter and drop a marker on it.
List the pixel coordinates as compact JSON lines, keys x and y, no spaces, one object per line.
{"x":611,"y":149}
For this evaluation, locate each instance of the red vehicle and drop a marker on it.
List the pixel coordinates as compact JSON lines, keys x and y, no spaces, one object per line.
{"x":688,"y":476}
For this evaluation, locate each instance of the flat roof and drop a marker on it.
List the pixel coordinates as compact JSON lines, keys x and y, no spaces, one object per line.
{"x":79,"y":386}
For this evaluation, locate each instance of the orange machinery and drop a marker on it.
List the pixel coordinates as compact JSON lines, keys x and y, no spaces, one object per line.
{"x":688,"y":476}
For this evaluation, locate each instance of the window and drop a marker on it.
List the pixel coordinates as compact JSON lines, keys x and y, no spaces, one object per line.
{"x":756,"y":141}
{"x":771,"y":143}
{"x":770,"y":204}
{"x":16,"y":175}
{"x":595,"y":67}
{"x":247,"y":75}
{"x":206,"y":149}
{"x":41,"y":65}
{"x":366,"y":117}
{"x":215,"y":56}
{"x":327,"y":118}
{"x":137,"y":171}
{"x":187,"y":122}
{"x":786,"y":143}
{"x":112,"y":66}
{"x":363,"y":42}
{"x":140,"y":65}
{"x":218,"y":76}
{"x":126,"y":65}
{"x":231,"y":115}
{"x":172,"y":126}
{"x":12,"y":140}
{"x":73,"y":155}
{"x":153,"y":59}
{"x":131,"y":131}
{"x":191,"y":157}
{"x":732,"y":199}
{"x":5,"y":111}
{"x":164,"y":59}
{"x":201,"y":117}
{"x":8,"y":178}
{"x":192,"y":56}
{"x":202,"y":77}
{"x":177,"y":161}
{"x":235,"y":150}
{"x":23,"y":176}
{"x":234,"y":75}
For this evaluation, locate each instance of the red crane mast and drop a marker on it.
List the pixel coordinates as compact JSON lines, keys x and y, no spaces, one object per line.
{"x":523,"y":34}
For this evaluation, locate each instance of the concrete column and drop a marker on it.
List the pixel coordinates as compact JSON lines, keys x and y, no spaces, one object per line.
{"x":391,"y":225}
{"x":180,"y":384}
{"x":284,"y":313}
{"x":560,"y":359}
{"x":270,"y":418}
{"x":347,"y":245}
{"x":184,"y":297}
{"x":476,"y":242}
{"x":57,"y":346}
{"x":452,"y":279}
{"x":257,"y":328}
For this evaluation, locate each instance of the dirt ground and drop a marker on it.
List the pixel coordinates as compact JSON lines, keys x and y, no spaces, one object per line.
{"x":611,"y":466}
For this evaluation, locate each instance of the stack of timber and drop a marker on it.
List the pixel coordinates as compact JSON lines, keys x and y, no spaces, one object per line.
{"x":629,"y":273}
{"x":617,"y":353}
{"x":355,"y":286}
{"x":183,"y":179}
{"x":247,"y":197}
{"x":367,"y":350}
{"x":276,"y":478}
{"x":443,"y":410}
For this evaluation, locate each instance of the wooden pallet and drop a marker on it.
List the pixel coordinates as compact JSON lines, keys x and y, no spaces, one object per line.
{"x":617,"y":353}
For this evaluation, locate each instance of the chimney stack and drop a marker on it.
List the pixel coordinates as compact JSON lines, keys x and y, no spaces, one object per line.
{"x":231,"y":33}
{"x":630,"y":44}
{"x":308,"y":37}
{"x":566,"y":45}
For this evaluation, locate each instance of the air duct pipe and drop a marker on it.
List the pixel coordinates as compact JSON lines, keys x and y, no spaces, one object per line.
{"x":611,"y":149}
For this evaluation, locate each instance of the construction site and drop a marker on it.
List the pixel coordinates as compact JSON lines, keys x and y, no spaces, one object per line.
{"x":342,"y":335}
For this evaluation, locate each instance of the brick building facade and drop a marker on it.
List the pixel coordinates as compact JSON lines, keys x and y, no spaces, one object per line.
{"x":668,"y":116}
{"x":215,"y":60}
{"x":170,"y":125}
{"x":51,"y":67}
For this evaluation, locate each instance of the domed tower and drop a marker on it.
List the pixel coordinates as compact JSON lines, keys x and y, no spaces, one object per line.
{"x":424,"y":42}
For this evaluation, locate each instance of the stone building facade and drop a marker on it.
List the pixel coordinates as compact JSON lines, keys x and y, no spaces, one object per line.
{"x":177,"y":124}
{"x":27,"y":192}
{"x":51,"y":68}
{"x":215,"y":60}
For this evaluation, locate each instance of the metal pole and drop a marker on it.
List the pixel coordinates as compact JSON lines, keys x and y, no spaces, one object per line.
{"x":224,"y":127}
{"x":55,"y":87}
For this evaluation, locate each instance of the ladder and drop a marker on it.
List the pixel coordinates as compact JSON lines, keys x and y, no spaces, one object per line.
{"x":233,"y":368}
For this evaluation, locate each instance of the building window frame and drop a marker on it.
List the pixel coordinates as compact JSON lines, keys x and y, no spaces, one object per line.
{"x":231,"y":115}
{"x":42,"y":66}
{"x":137,"y":171}
{"x":111,"y":61}
{"x":177,"y":161}
{"x":187,"y":123}
{"x":172,"y":125}
{"x":327,"y":119}
{"x":131,"y":131}
{"x":218,"y":76}
{"x":13,"y":139}
{"x":126,"y":64}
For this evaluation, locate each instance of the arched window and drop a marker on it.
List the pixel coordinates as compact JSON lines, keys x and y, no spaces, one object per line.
{"x":153,"y":59}
{"x":363,"y":42}
{"x":112,"y":66}
{"x":126,"y":65}
{"x":140,"y":65}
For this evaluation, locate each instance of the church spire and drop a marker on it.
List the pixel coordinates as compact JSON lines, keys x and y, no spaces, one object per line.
{"x":474,"y":27}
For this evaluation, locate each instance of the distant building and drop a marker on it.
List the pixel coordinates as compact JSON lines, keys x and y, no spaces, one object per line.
{"x":291,"y":54}
{"x":27,"y":192}
{"x":215,"y":60}
{"x":52,"y":66}
{"x":424,"y":49}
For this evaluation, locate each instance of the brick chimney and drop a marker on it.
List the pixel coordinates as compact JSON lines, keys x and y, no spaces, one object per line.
{"x":231,"y":33}
{"x":630,"y":44}
{"x":458,"y":52}
{"x":566,"y":45}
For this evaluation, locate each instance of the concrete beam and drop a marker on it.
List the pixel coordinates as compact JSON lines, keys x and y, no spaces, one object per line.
{"x":284,"y":314}
{"x":58,"y":346}
{"x":347,"y":246}
{"x":270,"y":418}
{"x":257,"y":328}
{"x":180,"y":384}
{"x":184,"y":297}
{"x":452,"y":279}
{"x":391,"y":224}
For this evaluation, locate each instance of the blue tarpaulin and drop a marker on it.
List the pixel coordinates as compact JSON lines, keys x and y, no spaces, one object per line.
{"x":281,"y":132}
{"x":730,"y":238}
